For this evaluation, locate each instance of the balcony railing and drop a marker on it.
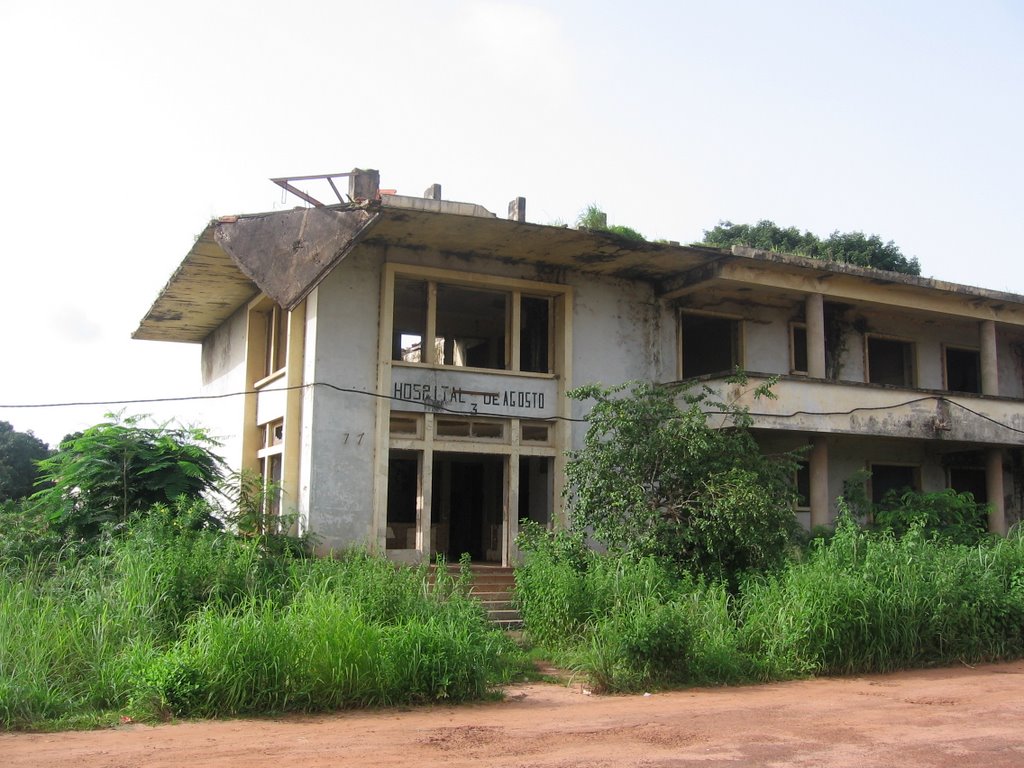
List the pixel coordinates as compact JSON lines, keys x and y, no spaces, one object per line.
{"x":816,"y":405}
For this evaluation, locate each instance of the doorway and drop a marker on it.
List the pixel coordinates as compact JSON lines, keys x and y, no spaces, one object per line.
{"x":468,"y":506}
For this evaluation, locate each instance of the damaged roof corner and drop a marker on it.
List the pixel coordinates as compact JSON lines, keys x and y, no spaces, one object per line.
{"x":283,"y":254}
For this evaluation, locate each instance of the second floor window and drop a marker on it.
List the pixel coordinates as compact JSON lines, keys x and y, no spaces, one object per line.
{"x":709,"y":344}
{"x":963,"y":370}
{"x":890,"y":361}
{"x":471,"y":327}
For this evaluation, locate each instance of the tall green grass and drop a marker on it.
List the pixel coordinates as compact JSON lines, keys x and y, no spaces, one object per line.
{"x":171,"y":623}
{"x":858,"y":602}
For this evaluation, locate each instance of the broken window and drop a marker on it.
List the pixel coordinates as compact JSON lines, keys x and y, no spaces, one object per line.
{"x":709,"y":344}
{"x":471,"y":327}
{"x":890,"y":361}
{"x":890,"y":481}
{"x":963,"y":370}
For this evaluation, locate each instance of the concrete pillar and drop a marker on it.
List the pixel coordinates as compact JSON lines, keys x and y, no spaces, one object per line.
{"x":517,"y":209}
{"x":815,"y":312}
{"x":994,"y":490}
{"x":820,"y":500}
{"x":989,"y":359}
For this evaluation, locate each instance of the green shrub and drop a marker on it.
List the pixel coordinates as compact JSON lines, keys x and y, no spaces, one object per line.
{"x":956,"y":517}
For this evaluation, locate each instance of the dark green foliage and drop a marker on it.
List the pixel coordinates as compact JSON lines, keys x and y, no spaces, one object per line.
{"x":654,"y":479}
{"x":846,"y":247}
{"x":20,"y":453}
{"x":119,"y":468}
{"x":956,"y":517}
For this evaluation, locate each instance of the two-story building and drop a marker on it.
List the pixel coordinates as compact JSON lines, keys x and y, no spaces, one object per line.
{"x":402,"y":363}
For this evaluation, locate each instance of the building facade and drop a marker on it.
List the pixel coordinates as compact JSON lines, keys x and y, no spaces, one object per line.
{"x":398,"y":367}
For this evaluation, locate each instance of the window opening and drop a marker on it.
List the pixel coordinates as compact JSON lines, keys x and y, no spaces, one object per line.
{"x":536,"y":489}
{"x":963,"y":370}
{"x":890,"y":362}
{"x":471,"y":327}
{"x":972,"y":480}
{"x":478,"y":428}
{"x":890,"y":481}
{"x":802,"y":481}
{"x":410,"y":320}
{"x":403,"y":493}
{"x":710,"y":345}
{"x":533,"y":432}
{"x":404,"y":425}
{"x":798,"y":348}
{"x":535,"y":334}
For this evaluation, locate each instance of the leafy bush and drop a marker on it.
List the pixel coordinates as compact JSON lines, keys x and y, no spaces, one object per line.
{"x":117,"y":469}
{"x":656,"y":480}
{"x":956,"y":517}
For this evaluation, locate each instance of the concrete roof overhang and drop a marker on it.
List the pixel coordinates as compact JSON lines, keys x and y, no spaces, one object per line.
{"x":747,"y":272}
{"x":285,"y":254}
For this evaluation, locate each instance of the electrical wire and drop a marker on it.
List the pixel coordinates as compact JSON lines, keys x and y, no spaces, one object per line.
{"x":434,"y":406}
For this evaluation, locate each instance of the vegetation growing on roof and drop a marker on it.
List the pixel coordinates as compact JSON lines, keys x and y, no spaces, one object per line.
{"x":592,"y":217}
{"x":846,"y":247}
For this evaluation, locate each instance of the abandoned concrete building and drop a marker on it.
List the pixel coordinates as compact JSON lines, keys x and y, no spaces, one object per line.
{"x":405,"y":363}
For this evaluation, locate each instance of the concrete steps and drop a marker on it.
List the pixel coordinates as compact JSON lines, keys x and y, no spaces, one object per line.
{"x":492,"y":585}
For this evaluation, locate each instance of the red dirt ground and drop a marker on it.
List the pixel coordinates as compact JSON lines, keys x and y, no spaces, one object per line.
{"x":959,"y":717}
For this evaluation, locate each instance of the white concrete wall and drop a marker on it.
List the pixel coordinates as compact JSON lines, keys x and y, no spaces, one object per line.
{"x":339,"y":427}
{"x":223,"y":366}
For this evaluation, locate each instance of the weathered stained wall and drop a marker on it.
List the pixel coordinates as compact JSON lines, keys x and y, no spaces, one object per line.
{"x":339,"y":433}
{"x":223,"y":364}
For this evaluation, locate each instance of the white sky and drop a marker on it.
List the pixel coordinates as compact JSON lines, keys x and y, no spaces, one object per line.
{"x":126,"y":126}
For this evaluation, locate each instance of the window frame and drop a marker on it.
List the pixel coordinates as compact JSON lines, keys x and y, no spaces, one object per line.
{"x":738,"y":352}
{"x":945,"y":367}
{"x":515,"y":291}
{"x":910,"y":360}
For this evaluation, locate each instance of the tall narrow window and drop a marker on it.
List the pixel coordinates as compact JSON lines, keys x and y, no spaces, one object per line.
{"x":277,"y":340}
{"x":710,"y":344}
{"x":798,"y":348}
{"x":410,"y":323}
{"x":271,"y":458}
{"x":803,"y":485}
{"x":403,"y":491}
{"x":890,"y":361}
{"x":534,"y":334}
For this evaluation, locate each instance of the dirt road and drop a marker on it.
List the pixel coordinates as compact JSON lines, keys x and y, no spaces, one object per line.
{"x":951,"y":717}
